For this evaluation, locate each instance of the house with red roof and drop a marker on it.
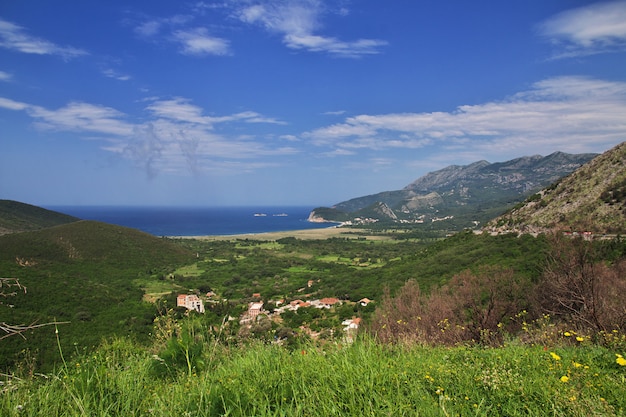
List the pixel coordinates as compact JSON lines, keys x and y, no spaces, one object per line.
{"x":190,"y":302}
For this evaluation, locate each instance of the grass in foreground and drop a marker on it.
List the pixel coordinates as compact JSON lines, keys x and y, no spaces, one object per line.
{"x":362,"y":379}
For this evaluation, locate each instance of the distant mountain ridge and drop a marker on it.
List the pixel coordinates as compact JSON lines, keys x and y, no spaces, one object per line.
{"x":464,"y":196}
{"x":591,"y":199}
{"x":21,"y":217}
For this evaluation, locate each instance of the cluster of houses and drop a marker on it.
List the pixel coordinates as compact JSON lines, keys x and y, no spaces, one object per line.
{"x":255,"y":308}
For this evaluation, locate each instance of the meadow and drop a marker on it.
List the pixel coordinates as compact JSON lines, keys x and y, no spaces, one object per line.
{"x":365,"y":378}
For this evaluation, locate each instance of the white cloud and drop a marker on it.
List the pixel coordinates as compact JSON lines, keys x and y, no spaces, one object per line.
{"x":15,"y":37}
{"x":5,"y":76}
{"x":111,"y":73}
{"x":192,"y":40}
{"x":597,"y":28}
{"x":181,"y":110}
{"x":177,"y":137}
{"x":82,"y":117}
{"x":334,"y":113}
{"x":9,"y":104}
{"x":197,"y":41}
{"x":298,"y":21}
{"x":334,"y":46}
{"x":575,"y":113}
{"x":152,"y":27}
{"x":338,"y":152}
{"x":149,"y":28}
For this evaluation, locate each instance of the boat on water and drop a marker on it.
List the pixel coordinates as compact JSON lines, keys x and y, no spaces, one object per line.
{"x":280,"y":215}
{"x":260,"y":214}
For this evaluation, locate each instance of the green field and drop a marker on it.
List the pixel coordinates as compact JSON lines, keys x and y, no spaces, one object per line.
{"x":365,"y":378}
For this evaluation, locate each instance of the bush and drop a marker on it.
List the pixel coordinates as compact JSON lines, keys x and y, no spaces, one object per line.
{"x":579,"y":288}
{"x":472,"y":307}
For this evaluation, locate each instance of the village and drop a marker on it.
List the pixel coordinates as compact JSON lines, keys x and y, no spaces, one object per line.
{"x":256,"y":310}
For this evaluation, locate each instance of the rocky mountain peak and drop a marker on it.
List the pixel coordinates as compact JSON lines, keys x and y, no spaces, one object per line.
{"x":469,"y":194}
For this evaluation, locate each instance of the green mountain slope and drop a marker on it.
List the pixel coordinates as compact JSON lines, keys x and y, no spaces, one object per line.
{"x":20,"y":217}
{"x":457,"y":197}
{"x":85,"y":273}
{"x":592,"y":198}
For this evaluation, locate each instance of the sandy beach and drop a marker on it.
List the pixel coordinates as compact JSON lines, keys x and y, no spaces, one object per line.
{"x":304,"y":234}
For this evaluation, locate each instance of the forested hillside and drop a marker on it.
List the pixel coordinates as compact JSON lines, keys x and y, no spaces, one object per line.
{"x":86,"y":274}
{"x":19,"y":217}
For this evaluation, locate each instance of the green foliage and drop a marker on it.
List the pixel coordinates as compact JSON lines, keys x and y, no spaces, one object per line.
{"x":331,"y":214}
{"x":615,"y":194}
{"x":84,"y":274}
{"x":19,"y":217}
{"x":469,"y":286}
{"x":364,"y":378}
{"x":581,"y":285}
{"x":184,"y":350}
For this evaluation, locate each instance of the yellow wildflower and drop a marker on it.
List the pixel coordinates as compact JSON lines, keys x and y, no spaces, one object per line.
{"x":555,"y":356}
{"x":564,"y":378}
{"x":580,"y":338}
{"x":577,"y":365}
{"x":567,"y":334}
{"x":620,"y":360}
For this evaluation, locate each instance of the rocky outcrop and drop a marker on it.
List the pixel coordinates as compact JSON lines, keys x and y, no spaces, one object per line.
{"x":592,"y":198}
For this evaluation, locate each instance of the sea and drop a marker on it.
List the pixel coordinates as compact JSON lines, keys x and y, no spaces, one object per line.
{"x":195,"y":221}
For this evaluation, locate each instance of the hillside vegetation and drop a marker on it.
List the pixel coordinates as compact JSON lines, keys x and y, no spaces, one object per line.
{"x":456,"y":197}
{"x":84,"y":273}
{"x":362,"y":379}
{"x":593,"y":198}
{"x":20,"y":217}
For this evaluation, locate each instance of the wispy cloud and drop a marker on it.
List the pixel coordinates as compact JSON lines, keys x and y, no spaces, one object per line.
{"x":150,"y":27}
{"x":175,"y":137}
{"x":16,"y":38}
{"x":111,"y":73}
{"x":593,"y":29}
{"x":299,"y":22}
{"x":194,"y":41}
{"x":5,"y":76}
{"x":82,"y":117}
{"x":8,"y":104}
{"x":563,"y":113}
{"x":179,"y":109}
{"x":334,"y":113}
{"x":197,"y":41}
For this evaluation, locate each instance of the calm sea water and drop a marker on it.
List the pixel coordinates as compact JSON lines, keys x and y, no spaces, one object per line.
{"x":177,"y":221}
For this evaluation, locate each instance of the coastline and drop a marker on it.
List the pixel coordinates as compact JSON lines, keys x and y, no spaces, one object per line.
{"x":320,"y":233}
{"x":304,"y":234}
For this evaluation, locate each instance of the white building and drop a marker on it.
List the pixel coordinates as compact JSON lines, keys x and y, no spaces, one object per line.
{"x":190,"y":302}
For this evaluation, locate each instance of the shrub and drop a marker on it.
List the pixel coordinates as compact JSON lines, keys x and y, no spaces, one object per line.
{"x":476,"y":307}
{"x":580,"y":289}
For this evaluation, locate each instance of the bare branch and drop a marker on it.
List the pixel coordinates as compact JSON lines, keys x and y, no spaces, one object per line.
{"x":12,"y":330}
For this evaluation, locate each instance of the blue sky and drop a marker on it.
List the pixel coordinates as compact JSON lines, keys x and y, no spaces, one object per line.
{"x":294,"y":102}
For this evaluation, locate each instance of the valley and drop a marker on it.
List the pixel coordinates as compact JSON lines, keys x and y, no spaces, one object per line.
{"x":96,"y":300}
